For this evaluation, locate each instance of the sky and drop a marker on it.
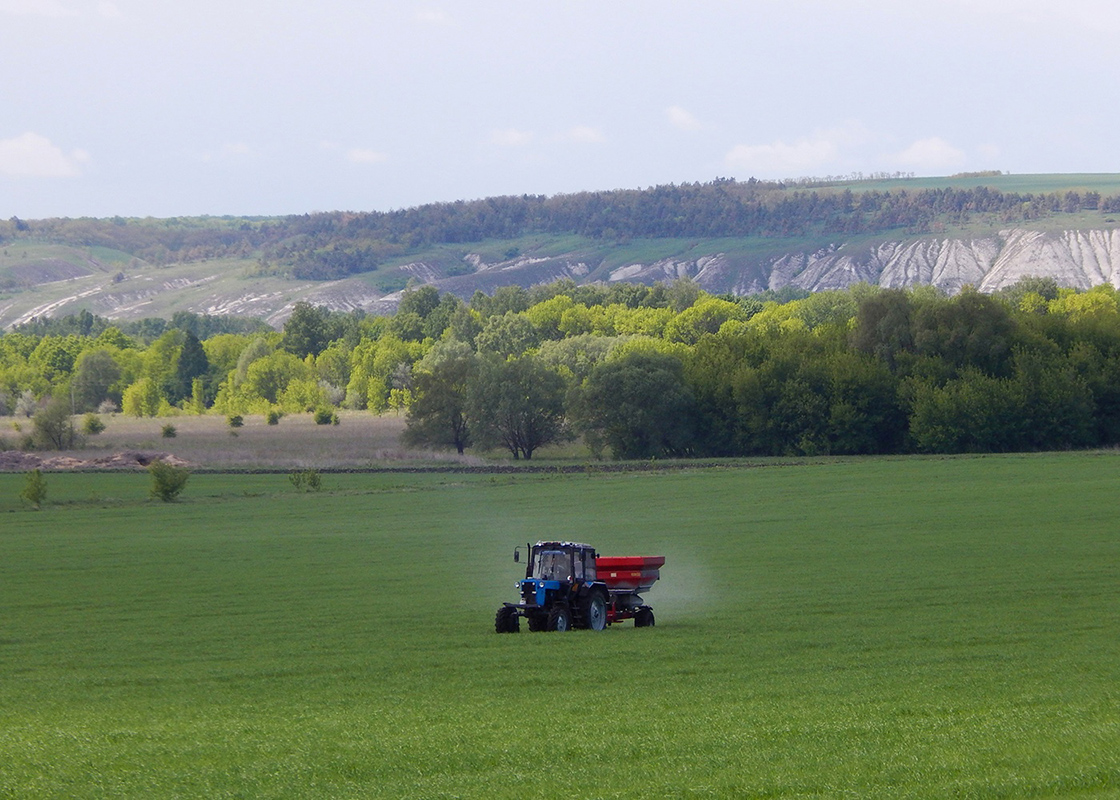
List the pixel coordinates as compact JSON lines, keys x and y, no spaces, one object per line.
{"x":244,"y":107}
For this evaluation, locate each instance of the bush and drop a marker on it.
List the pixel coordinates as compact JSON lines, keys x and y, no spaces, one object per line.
{"x":235,"y":420}
{"x":273,"y":417}
{"x":168,"y":431}
{"x":35,"y":489}
{"x":92,"y":424}
{"x":325,"y":416}
{"x":107,"y":407}
{"x":167,"y":480}
{"x":306,"y":481}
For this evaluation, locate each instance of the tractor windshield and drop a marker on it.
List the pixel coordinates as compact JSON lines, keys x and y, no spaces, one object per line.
{"x":552,"y":565}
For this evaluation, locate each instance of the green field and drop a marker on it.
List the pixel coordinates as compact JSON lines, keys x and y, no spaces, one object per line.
{"x":863,"y":628}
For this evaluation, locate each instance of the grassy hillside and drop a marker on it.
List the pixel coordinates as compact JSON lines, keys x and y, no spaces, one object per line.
{"x":1106,"y":183}
{"x":873,"y":628}
{"x":132,"y":268}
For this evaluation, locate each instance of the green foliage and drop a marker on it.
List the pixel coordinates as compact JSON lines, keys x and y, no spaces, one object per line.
{"x":517,"y":404}
{"x":168,"y":481}
{"x":142,"y":399}
{"x":92,"y":424}
{"x":309,"y":330}
{"x":511,"y":334}
{"x":438,"y":415}
{"x":35,"y":489}
{"x":168,"y":431}
{"x":95,"y":378}
{"x":639,"y":405}
{"x":325,"y":415}
{"x":307,"y":480}
{"x":273,"y":417}
{"x":54,"y":426}
{"x":235,"y":420}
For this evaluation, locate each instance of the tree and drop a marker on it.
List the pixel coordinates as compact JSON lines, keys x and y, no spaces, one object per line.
{"x":308,"y":330}
{"x":639,"y":405}
{"x":510,"y":334}
{"x":54,"y":428}
{"x":93,"y":379}
{"x":516,"y":403}
{"x":437,"y":415}
{"x":35,"y":489}
{"x":192,"y":364}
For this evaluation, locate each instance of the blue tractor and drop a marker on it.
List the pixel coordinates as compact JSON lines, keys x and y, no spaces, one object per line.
{"x":559,"y":592}
{"x":568,"y":585}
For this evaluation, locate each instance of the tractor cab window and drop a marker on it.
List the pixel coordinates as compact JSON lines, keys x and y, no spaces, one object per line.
{"x":552,"y":565}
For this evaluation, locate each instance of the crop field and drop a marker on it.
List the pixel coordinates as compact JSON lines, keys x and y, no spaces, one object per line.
{"x":868,"y":628}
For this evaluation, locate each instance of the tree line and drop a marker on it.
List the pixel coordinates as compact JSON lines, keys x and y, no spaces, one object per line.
{"x":335,"y":244}
{"x":636,"y":371}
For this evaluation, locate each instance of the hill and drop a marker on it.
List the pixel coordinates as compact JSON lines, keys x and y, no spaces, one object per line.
{"x":987,"y":230}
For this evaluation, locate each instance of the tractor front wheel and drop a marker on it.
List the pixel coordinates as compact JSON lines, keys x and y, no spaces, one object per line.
{"x":644,"y":618}
{"x":559,"y":618}
{"x":595,"y":611}
{"x":505,"y":621}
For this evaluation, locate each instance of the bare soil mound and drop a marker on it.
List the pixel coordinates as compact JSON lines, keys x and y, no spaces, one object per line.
{"x":17,"y":461}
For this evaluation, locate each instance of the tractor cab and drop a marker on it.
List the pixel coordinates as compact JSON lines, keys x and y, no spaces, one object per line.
{"x":561,"y":561}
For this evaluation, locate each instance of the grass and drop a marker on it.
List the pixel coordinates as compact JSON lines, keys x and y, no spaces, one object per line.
{"x":871,"y":628}
{"x":360,"y":440}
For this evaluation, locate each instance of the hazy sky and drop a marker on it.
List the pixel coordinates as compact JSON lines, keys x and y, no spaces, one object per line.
{"x":250,"y":107}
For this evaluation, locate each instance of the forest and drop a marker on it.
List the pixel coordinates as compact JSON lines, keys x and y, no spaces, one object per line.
{"x":335,"y":244}
{"x":639,"y":372}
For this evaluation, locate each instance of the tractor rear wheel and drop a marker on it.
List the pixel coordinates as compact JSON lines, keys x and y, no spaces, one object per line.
{"x":559,"y":618}
{"x":505,"y":621}
{"x":644,"y":618}
{"x":595,"y":611}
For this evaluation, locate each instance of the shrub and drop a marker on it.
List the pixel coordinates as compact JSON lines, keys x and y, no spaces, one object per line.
{"x":168,"y":431}
{"x":325,"y":416}
{"x":107,"y":407}
{"x":235,"y":420}
{"x":273,"y":417}
{"x":167,"y":480}
{"x":306,"y":481}
{"x":35,"y":489}
{"x":26,"y":405}
{"x":92,"y":424}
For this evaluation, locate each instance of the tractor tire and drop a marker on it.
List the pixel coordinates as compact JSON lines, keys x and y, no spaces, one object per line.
{"x":644,"y":618}
{"x":559,"y":618}
{"x":595,"y":611}
{"x":538,"y":622}
{"x":505,"y":621}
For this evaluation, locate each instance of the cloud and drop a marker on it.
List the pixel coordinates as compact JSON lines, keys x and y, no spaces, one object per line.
{"x":930,"y":155}
{"x":433,"y":17}
{"x":510,"y":137}
{"x":35,"y":156}
{"x":109,"y":10}
{"x":363,"y":155}
{"x":583,"y":134}
{"x":781,"y":159}
{"x":36,"y":8}
{"x":682,"y":119}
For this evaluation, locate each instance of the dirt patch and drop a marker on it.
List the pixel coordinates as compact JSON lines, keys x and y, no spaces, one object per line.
{"x":16,"y":461}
